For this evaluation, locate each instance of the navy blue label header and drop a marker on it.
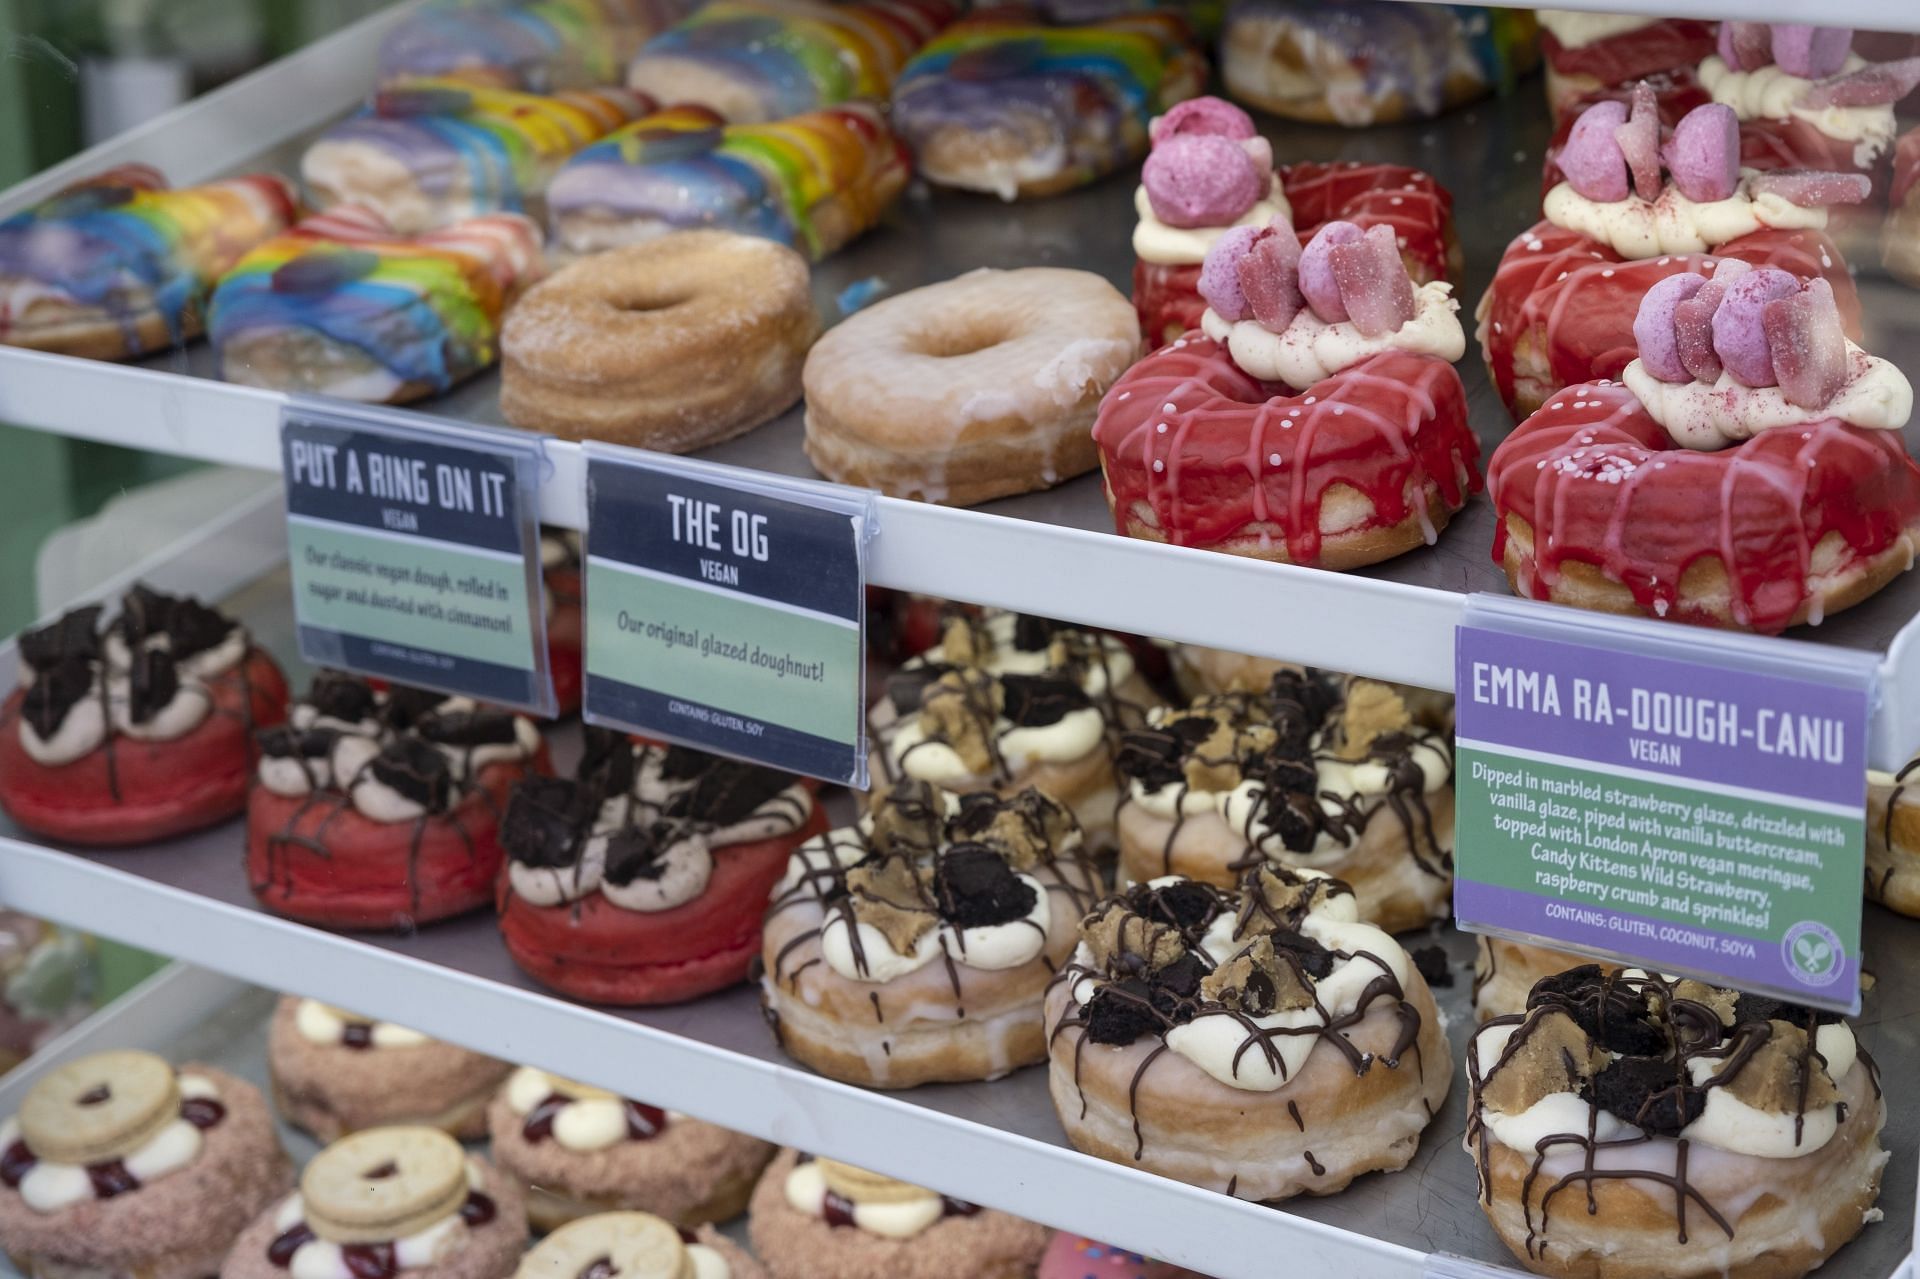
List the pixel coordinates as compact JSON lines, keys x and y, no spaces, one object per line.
{"x":402,"y":484}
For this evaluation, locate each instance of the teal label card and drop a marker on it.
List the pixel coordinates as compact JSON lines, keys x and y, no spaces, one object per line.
{"x":724,"y":609}
{"x":414,"y":553}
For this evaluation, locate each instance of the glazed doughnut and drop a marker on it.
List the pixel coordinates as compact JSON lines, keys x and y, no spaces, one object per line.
{"x":1504,"y":973}
{"x":1751,"y":469}
{"x":1318,"y":421}
{"x":979,"y":387}
{"x":138,"y":733}
{"x":1370,"y":62}
{"x":341,"y":305}
{"x":1588,"y":53}
{"x":1210,"y":172}
{"x":1627,"y":1126}
{"x":673,"y":345}
{"x":1198,"y":671}
{"x":814,"y":182}
{"x":1005,"y":104}
{"x":536,"y":45}
{"x":1262,"y":1044}
{"x":116,"y":265}
{"x":1900,"y":241}
{"x":753,"y":61}
{"x":1311,"y":772}
{"x":1893,"y":839}
{"x":916,"y":947}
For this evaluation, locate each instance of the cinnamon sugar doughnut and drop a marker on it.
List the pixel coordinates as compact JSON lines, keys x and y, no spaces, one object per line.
{"x":674,"y":344}
{"x":975,"y":388}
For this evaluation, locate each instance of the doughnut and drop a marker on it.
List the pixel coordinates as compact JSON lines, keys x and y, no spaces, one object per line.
{"x":639,"y":1245}
{"x":1007,"y":702}
{"x":1325,"y":774}
{"x":139,"y":732}
{"x":1368,"y":62}
{"x":1748,"y":472}
{"x":1628,"y":1126}
{"x":117,"y":265}
{"x":753,"y":61}
{"x":1900,"y":241}
{"x":672,"y":345}
{"x":536,"y":45}
{"x":1893,"y":839}
{"x":435,"y":152}
{"x":1587,"y":53}
{"x":1004,"y":104}
{"x":1208,"y":174}
{"x":916,"y":947}
{"x":822,"y":1219}
{"x":385,"y":1202}
{"x":1198,"y":671}
{"x":814,"y":182}
{"x":1261,"y":1043}
{"x":979,"y":387}
{"x":1078,"y":1257}
{"x":381,"y":809}
{"x":641,"y":880}
{"x":341,"y":305}
{"x":153,"y":1179}
{"x":1504,"y":973}
{"x":566,"y":624}
{"x":1316,"y":420}
{"x":335,"y":1072}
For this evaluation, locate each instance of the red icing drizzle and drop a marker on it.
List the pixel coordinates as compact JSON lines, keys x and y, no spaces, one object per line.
{"x":1761,"y":506}
{"x":1392,"y":421}
{"x":1666,"y":45}
{"x":1417,"y":208}
{"x":1579,"y":297}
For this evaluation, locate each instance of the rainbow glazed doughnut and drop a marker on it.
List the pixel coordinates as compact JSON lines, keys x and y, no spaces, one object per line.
{"x":642,"y":881}
{"x":117,"y":265}
{"x":117,"y":1164}
{"x":1589,"y":53}
{"x":1260,"y":1043}
{"x":1627,"y":1126}
{"x":1317,"y":421}
{"x":1005,"y":104}
{"x":435,"y":152}
{"x":341,"y":305}
{"x":1312,"y":773}
{"x":814,"y":182}
{"x":1370,"y":61}
{"x":536,"y":45}
{"x":139,"y":732}
{"x":1900,"y":240}
{"x":637,"y":1244}
{"x":381,"y":809}
{"x":1210,"y":172}
{"x":1562,"y":303}
{"x":752,"y":61}
{"x":1748,"y":473}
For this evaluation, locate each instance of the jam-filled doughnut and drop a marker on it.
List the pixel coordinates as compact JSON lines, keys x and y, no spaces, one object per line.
{"x":975,"y":388}
{"x":1749,"y":472}
{"x":1900,"y":239}
{"x":1628,"y":1125}
{"x":138,"y":732}
{"x":638,"y":1245}
{"x":1261,"y":1043}
{"x":673,"y":344}
{"x":536,"y":45}
{"x":1587,"y":53}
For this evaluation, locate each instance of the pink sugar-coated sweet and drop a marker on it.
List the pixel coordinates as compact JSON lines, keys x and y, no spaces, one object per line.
{"x":1653,"y":326}
{"x":1693,"y":330}
{"x":1208,"y":116}
{"x":1745,"y":46}
{"x":1197,"y":180}
{"x":1639,"y":140}
{"x":1374,"y":285}
{"x":1812,"y":188}
{"x":1317,"y":282}
{"x":1806,"y":345}
{"x":1270,"y":277}
{"x":1810,"y":51}
{"x":1592,"y":159}
{"x":1704,"y":153}
{"x":1260,"y":151}
{"x":1739,"y":336}
{"x":1877,"y":85}
{"x":1219,"y":281}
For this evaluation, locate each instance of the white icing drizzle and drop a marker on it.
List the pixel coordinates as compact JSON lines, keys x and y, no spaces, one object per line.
{"x":685,"y":865}
{"x":1310,"y":350}
{"x":1773,"y":93}
{"x":321,"y":1024}
{"x":1156,"y":242}
{"x":1671,"y":223}
{"x":1711,"y":415}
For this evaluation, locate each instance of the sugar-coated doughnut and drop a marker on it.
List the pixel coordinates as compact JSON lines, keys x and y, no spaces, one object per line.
{"x":117,"y":265}
{"x":342,"y":305}
{"x":536,"y":45}
{"x":1370,"y":61}
{"x":1590,"y":52}
{"x":1900,"y":240}
{"x":1005,"y":104}
{"x":975,"y":388}
{"x":813,"y":182}
{"x":673,"y":344}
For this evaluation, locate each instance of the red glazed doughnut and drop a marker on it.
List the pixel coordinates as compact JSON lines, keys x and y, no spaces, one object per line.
{"x":1900,"y":241}
{"x":1577,"y":68}
{"x":560,"y":551}
{"x":123,"y":789}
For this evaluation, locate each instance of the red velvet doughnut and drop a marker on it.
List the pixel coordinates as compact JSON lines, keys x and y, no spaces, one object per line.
{"x":565,"y":630}
{"x":129,"y":791}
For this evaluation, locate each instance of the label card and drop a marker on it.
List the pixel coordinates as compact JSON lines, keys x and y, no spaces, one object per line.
{"x":415,"y":552}
{"x":1663,"y":797}
{"x":725,"y":609}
